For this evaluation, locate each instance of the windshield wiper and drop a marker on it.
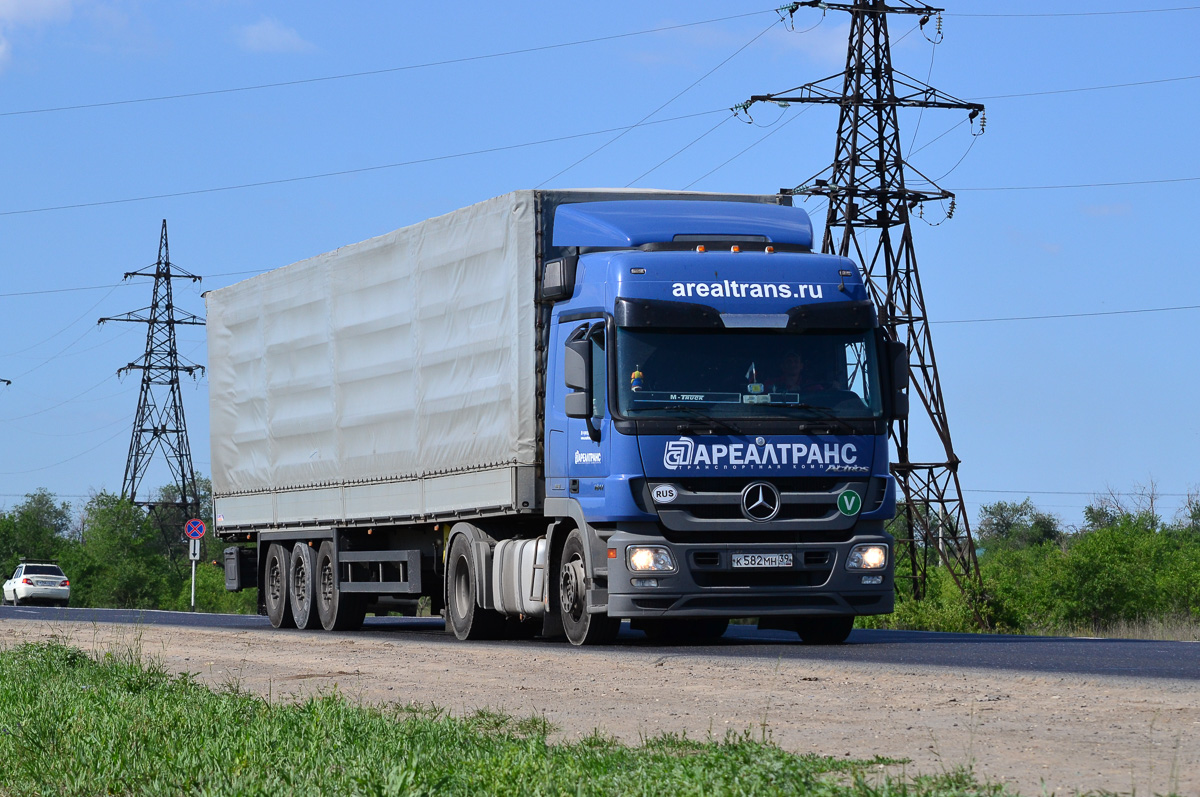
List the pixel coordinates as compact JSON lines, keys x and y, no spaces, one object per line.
{"x":717,"y":423}
{"x":826,"y":413}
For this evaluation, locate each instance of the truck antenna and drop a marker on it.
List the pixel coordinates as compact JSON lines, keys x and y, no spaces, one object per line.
{"x":869,"y":199}
{"x":159,"y":423}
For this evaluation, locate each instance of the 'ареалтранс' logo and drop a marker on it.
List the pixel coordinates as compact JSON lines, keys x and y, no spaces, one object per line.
{"x":687,"y":454}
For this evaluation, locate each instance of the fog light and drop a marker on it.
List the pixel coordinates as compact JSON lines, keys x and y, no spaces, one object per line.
{"x":867,"y":557}
{"x":644,"y":582}
{"x":872,"y":579}
{"x":649,"y":558}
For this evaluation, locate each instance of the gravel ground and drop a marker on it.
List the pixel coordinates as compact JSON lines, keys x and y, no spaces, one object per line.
{"x":1041,"y":734}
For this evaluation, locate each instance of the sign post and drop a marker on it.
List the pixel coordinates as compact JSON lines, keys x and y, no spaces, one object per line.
{"x":194,"y":530}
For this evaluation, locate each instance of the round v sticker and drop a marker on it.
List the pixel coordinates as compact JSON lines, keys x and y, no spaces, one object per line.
{"x":849,"y":502}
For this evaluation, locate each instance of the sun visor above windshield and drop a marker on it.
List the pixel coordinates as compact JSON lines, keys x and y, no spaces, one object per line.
{"x":639,"y":313}
{"x":631,"y":223}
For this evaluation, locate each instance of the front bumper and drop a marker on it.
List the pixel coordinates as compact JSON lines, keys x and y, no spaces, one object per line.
{"x":705,"y":584}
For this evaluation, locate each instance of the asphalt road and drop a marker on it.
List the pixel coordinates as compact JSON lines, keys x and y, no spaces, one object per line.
{"x":1111,"y":657}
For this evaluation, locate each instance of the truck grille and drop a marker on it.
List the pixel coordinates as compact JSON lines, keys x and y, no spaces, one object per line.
{"x":710,"y":510}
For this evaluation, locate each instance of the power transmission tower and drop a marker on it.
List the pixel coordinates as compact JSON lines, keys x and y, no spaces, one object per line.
{"x":159,"y":424}
{"x":869,"y":219}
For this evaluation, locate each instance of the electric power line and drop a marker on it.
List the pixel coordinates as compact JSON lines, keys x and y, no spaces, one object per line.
{"x":1080,"y":13}
{"x":679,"y":151}
{"x":1071,"y":492}
{"x":1070,"y":315}
{"x":747,"y":149}
{"x":1117,"y":184}
{"x":1091,"y":88}
{"x":387,"y":70}
{"x":644,"y":119}
{"x":344,"y":172}
{"x":64,"y":461}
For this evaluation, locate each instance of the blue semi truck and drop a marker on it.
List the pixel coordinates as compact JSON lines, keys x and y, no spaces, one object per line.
{"x":556,"y":410}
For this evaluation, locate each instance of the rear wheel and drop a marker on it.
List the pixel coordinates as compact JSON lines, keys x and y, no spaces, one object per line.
{"x":302,"y":586}
{"x":831,"y":630}
{"x":275,"y":589}
{"x":580,"y":627}
{"x":467,"y":618}
{"x":337,"y":610}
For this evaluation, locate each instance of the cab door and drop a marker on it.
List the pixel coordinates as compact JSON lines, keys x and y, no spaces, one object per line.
{"x":588,"y":439}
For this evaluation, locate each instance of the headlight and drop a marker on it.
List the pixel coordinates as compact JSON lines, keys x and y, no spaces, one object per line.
{"x":643,"y":558}
{"x":867,"y":557}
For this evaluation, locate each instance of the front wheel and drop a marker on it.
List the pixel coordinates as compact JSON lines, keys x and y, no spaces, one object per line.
{"x":275,"y":587}
{"x":831,"y":630}
{"x":580,"y":627}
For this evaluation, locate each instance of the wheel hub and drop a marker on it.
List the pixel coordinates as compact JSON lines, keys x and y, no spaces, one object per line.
{"x":572,"y":588}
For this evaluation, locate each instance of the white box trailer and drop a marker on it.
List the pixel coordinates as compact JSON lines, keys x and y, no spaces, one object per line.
{"x":391,"y":380}
{"x":388,"y":380}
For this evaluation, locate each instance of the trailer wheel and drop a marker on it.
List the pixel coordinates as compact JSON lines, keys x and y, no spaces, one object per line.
{"x":830,"y":630}
{"x":302,"y":586}
{"x":467,"y":618}
{"x":275,"y":592}
{"x":580,"y":627}
{"x":337,"y":610}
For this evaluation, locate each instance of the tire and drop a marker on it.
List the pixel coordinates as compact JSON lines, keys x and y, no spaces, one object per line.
{"x":467,"y":618}
{"x":302,"y":586}
{"x":580,"y":627}
{"x":275,"y":587}
{"x":830,"y":630}
{"x":338,"y":611}
{"x":690,"y":629}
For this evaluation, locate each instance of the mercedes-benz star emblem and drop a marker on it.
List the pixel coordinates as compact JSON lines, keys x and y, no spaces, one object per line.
{"x":760,"y":501}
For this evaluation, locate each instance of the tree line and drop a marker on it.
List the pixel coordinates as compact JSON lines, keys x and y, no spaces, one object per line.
{"x":1125,"y":564}
{"x":1124,"y":568}
{"x":118,"y":555}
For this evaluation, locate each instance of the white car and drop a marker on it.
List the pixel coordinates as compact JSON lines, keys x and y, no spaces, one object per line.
{"x":42,"y":582}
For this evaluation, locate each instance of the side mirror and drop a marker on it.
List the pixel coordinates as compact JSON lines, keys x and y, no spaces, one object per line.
{"x":558,"y":278}
{"x":898,"y":362}
{"x":577,"y":373}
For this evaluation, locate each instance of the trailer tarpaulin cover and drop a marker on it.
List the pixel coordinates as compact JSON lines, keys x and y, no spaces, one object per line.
{"x":404,"y":356}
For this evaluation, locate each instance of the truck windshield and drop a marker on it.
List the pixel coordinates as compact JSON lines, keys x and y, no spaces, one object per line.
{"x":752,"y":374}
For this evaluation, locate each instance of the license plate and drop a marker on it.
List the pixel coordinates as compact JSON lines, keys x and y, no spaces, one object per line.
{"x":42,"y":583}
{"x":762,"y":560}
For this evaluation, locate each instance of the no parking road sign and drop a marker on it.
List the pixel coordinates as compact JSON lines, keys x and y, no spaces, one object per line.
{"x":193,"y":529}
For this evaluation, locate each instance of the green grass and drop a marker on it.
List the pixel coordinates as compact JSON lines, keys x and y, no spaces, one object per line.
{"x":113,"y":723}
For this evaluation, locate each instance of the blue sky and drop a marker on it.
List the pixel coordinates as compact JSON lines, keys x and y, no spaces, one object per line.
{"x":1060,"y":409}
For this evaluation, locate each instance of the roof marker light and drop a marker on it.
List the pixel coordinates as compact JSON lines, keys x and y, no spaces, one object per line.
{"x":637,"y":271}
{"x":735,"y":248}
{"x":700,"y":248}
{"x":844,"y":273}
{"x":770,"y":250}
